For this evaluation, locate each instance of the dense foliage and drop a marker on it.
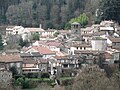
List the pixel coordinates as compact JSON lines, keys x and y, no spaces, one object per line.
{"x":82,"y":19}
{"x":109,"y":10}
{"x":96,"y":80}
{"x":49,"y":13}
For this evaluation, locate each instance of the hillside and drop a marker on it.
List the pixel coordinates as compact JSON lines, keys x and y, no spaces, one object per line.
{"x":49,"y":13}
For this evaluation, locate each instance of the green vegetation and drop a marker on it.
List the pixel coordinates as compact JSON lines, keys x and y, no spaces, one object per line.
{"x":56,"y":34}
{"x":23,"y":43}
{"x":36,"y":36}
{"x":49,"y":13}
{"x":82,"y":19}
{"x":109,"y":10}
{"x":14,"y":71}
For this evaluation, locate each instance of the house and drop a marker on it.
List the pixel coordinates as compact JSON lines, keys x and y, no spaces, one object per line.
{"x":52,"y":45}
{"x":90,"y":56}
{"x":30,"y":66}
{"x":107,"y":23}
{"x":45,"y":52}
{"x":11,"y":60}
{"x":74,"y":47}
{"x":108,"y":30}
{"x":43,"y":65}
{"x":34,"y":30}
{"x":14,"y":30}
{"x":114,"y":42}
{"x":99,"y":43}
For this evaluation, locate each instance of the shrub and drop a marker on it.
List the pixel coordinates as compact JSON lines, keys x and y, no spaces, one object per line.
{"x":45,"y":75}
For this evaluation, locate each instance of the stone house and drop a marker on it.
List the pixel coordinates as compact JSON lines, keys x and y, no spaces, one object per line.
{"x":12,"y":60}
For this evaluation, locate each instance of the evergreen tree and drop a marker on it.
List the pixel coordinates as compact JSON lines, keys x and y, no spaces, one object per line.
{"x":109,"y":10}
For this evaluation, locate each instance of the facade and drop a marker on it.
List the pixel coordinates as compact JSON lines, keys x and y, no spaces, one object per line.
{"x":5,"y":78}
{"x":99,"y":43}
{"x":12,"y":60}
{"x":14,"y":30}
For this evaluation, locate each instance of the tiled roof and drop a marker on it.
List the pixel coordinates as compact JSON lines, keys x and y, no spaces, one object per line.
{"x":10,"y":58}
{"x":115,"y":39}
{"x":43,"y":50}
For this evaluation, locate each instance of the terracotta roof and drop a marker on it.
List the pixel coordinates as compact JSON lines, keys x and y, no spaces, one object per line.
{"x":115,"y":39}
{"x":43,"y":50}
{"x":10,"y":58}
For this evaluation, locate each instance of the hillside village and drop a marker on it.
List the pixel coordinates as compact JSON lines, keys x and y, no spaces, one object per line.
{"x":59,"y":52}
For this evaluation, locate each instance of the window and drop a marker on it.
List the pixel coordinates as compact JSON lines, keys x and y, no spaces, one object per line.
{"x":84,"y":48}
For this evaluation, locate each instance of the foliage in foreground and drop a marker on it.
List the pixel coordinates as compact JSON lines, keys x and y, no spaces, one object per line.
{"x":96,"y":80}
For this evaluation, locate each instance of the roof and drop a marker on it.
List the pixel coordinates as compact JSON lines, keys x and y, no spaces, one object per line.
{"x":10,"y":58}
{"x":60,"y":57}
{"x":114,"y":39}
{"x":106,"y":28}
{"x":98,"y":38}
{"x":43,"y":61}
{"x":98,"y":33}
{"x":88,"y":52}
{"x":43,"y":50}
{"x":75,"y":23}
{"x":29,"y":62}
{"x":50,"y":43}
{"x":10,"y":26}
{"x":35,"y":29}
{"x":81,"y":45}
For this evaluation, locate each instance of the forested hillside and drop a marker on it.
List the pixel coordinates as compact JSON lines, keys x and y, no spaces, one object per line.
{"x":49,"y":13}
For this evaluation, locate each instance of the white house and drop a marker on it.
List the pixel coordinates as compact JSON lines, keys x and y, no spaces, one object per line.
{"x":14,"y":30}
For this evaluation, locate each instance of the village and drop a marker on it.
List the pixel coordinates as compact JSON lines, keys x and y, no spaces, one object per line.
{"x":58,"y":53}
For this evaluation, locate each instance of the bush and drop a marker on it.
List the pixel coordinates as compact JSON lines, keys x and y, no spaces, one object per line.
{"x":66,"y":82}
{"x":32,"y":75}
{"x":45,"y":75}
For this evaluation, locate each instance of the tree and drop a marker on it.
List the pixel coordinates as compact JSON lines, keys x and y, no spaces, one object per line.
{"x":109,"y":10}
{"x":14,"y":71}
{"x":56,"y":34}
{"x":1,"y":43}
{"x":23,"y":43}
{"x":36,"y":36}
{"x":95,"y":79}
{"x":82,"y":19}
